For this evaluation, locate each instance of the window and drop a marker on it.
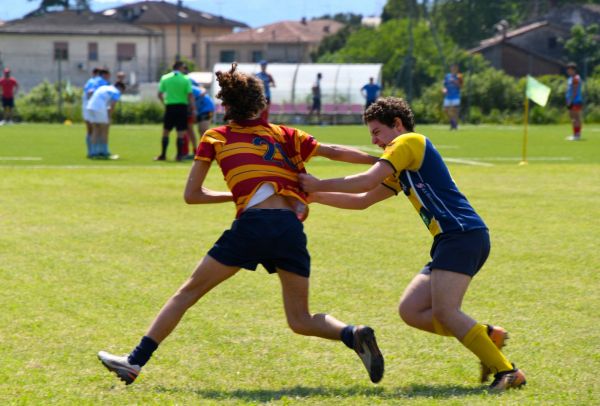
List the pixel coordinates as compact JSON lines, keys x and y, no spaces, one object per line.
{"x":61,"y":51}
{"x":92,"y":51}
{"x":227,"y":56}
{"x":194,"y":50}
{"x":125,"y":51}
{"x":257,"y":56}
{"x":552,"y":42}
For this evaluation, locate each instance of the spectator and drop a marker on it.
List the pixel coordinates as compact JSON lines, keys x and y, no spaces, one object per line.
{"x":316,"y":98}
{"x":10,"y":88}
{"x":175,"y":92}
{"x":574,"y":100}
{"x":268,"y":83}
{"x":452,"y":84}
{"x":370,"y":92}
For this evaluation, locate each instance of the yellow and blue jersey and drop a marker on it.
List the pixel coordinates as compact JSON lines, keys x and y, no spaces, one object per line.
{"x":421,"y":174}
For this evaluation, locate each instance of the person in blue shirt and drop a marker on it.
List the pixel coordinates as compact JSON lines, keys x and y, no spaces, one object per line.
{"x":205,"y":108}
{"x":370,"y":92}
{"x":452,"y":84}
{"x":411,"y":166}
{"x":268,"y":83}
{"x":574,"y":100}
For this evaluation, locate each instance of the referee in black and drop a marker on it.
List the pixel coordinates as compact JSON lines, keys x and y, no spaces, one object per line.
{"x":175,"y":92}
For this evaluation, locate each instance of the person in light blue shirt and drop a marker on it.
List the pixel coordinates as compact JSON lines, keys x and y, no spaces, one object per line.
{"x":99,"y":110}
{"x":88,"y":88}
{"x":370,"y":92}
{"x":452,"y":84}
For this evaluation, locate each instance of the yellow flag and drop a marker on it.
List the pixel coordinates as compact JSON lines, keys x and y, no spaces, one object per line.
{"x":536,"y":91}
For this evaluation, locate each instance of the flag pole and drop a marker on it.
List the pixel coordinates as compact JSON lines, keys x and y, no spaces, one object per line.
{"x":525,"y":121}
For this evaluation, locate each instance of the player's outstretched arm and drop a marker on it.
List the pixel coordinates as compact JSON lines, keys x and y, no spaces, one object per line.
{"x":195,"y":193}
{"x":345,"y":154}
{"x":352,"y":201}
{"x":362,"y":182}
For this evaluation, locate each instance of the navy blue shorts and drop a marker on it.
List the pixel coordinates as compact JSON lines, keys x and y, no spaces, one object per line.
{"x":461,"y":252}
{"x":273,"y":238}
{"x":8,"y":102}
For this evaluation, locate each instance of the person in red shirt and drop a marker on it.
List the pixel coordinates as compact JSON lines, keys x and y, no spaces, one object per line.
{"x":10,"y":87}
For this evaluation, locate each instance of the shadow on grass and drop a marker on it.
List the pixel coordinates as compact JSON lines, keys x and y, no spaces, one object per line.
{"x":267,"y":395}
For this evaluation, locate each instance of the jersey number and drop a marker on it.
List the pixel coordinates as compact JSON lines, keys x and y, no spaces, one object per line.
{"x":270,"y":152}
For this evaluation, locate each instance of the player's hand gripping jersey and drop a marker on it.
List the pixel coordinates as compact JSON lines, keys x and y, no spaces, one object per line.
{"x":422,"y":175}
{"x":254,"y":152}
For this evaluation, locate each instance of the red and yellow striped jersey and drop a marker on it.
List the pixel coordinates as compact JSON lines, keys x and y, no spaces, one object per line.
{"x":254,"y":152}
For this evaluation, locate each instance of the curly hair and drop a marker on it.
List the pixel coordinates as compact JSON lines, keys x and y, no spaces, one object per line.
{"x":242,"y":94}
{"x":386,"y":109}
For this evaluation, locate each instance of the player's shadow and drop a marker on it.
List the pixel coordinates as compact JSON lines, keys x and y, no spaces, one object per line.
{"x":304,"y":392}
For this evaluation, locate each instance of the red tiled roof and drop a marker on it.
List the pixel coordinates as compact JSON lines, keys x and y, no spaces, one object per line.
{"x":285,"y":31}
{"x":161,"y":12}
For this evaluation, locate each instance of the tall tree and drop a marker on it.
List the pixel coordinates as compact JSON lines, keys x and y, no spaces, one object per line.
{"x":49,"y":5}
{"x":582,"y":48}
{"x":401,"y":9}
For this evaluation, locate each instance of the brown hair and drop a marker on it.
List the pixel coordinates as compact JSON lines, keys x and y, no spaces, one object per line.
{"x":386,"y":109}
{"x":242,"y":94}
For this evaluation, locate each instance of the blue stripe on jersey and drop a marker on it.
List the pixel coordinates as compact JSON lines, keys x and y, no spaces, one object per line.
{"x":433,"y":186}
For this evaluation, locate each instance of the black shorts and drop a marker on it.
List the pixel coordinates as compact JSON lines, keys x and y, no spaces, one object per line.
{"x":273,"y":238}
{"x":8,"y":102}
{"x":176,"y":116}
{"x":461,"y":252}
{"x":316,"y":103}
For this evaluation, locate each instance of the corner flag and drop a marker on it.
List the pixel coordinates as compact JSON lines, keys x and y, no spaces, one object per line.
{"x":536,"y":91}
{"x":539,"y":94}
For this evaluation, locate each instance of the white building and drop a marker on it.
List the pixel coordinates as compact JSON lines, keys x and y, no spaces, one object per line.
{"x":70,"y":44}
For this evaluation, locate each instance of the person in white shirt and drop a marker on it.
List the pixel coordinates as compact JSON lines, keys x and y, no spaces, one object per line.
{"x":99,"y":109}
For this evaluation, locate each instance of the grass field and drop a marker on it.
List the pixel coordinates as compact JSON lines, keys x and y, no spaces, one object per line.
{"x":90,"y":250}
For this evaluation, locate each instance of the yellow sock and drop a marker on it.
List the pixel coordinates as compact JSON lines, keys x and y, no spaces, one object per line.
{"x":441,"y":330}
{"x":480,"y":344}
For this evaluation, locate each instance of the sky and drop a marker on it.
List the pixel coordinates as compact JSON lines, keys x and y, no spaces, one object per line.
{"x":255,"y":13}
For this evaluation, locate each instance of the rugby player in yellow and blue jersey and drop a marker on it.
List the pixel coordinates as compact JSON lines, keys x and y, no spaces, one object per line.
{"x":260,"y":162}
{"x":411,"y":165}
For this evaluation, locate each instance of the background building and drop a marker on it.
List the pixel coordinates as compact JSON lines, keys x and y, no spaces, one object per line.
{"x":69,"y":44}
{"x":282,"y":42}
{"x":183,"y":31}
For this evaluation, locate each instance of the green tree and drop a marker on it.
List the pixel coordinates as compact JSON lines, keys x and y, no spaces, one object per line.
{"x":49,"y":5}
{"x":582,"y":47}
{"x":333,"y":43}
{"x":388,"y":44}
{"x":399,"y":9}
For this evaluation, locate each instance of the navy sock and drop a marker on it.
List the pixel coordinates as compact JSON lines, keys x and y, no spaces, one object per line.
{"x":180,"y":143}
{"x":142,"y":353}
{"x":164,"y":145}
{"x":347,"y":336}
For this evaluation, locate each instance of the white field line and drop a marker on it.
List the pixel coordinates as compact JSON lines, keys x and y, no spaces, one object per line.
{"x":534,"y":158}
{"x":20,"y":158}
{"x":372,"y":148}
{"x":111,"y":167}
{"x":467,"y":162}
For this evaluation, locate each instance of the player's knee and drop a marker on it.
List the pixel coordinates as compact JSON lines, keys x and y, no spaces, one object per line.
{"x":299,"y":324}
{"x":408,"y":312}
{"x":443,"y":314}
